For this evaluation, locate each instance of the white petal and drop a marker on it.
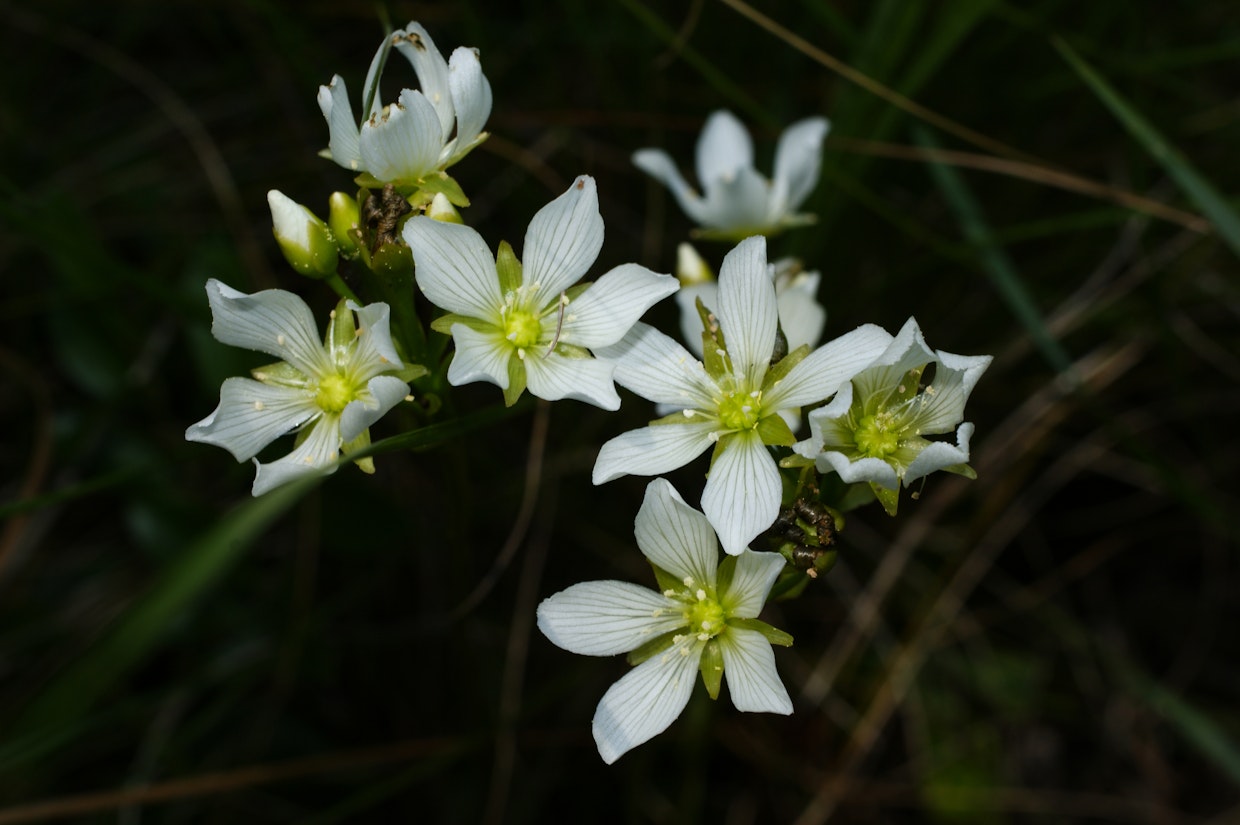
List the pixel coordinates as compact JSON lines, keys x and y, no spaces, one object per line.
{"x":317,"y":454}
{"x":455,"y":270}
{"x":690,"y":321}
{"x":747,"y":310}
{"x":955,"y":377}
{"x":644,"y":702}
{"x":402,"y":143}
{"x":562,"y":241}
{"x":342,"y":139}
{"x":755,"y":573}
{"x":723,"y":149}
{"x":801,"y":317}
{"x":827,"y":426}
{"x":749,"y":667}
{"x":374,"y":353}
{"x":674,"y":536}
{"x":612,"y":304}
{"x":272,"y":321}
{"x":862,"y":469}
{"x":415,"y":44}
{"x":480,"y":356}
{"x":738,"y":203}
{"x":798,"y":160}
{"x":251,"y":415}
{"x":471,"y":93}
{"x":741,"y":497}
{"x":940,"y":454}
{"x":652,"y":450}
{"x":554,"y":377}
{"x":659,"y":165}
{"x":608,"y":617}
{"x":658,"y":369}
{"x":385,"y":392}
{"x":826,"y":368}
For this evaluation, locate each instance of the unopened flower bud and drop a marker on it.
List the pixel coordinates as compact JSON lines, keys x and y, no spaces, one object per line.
{"x":441,"y":209}
{"x":691,"y":270}
{"x":304,"y":239}
{"x":342,"y":218}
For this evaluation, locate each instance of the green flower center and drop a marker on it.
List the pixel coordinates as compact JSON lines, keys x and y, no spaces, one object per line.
{"x":740,"y":410}
{"x":877,"y":436}
{"x":705,"y":616}
{"x":334,"y":393}
{"x":522,"y":328}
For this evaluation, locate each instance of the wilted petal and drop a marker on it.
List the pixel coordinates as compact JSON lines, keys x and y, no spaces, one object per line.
{"x":742,"y":493}
{"x":652,"y":450}
{"x":749,"y":668}
{"x":723,"y":149}
{"x":251,"y":415}
{"x":644,"y":702}
{"x":606,"y":617}
{"x":751,"y":582}
{"x":562,"y":241}
{"x":658,"y":369}
{"x":612,"y":304}
{"x":272,"y":321}
{"x":455,"y":270}
{"x":862,"y":469}
{"x":555,"y":377}
{"x":403,"y":142}
{"x":747,"y":310}
{"x":674,"y":536}
{"x":342,"y":141}
{"x":383,"y":393}
{"x":317,"y":454}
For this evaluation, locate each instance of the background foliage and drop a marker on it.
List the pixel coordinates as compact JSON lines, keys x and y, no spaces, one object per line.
{"x":1053,"y":642}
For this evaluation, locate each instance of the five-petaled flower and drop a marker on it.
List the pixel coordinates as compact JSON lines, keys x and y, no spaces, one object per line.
{"x":330,"y":393}
{"x":874,"y":429}
{"x":735,"y":401}
{"x":405,"y":141}
{"x":705,"y":620}
{"x":736,"y":200}
{"x":526,"y":325}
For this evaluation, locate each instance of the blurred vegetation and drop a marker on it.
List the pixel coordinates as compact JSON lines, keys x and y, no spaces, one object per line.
{"x":1047,"y":644}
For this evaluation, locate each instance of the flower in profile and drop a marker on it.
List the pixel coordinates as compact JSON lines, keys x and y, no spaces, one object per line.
{"x":526,"y":325}
{"x":736,"y":400}
{"x":875,"y":428}
{"x":705,"y":620}
{"x":329,"y":393}
{"x":736,"y":200}
{"x":405,"y":141}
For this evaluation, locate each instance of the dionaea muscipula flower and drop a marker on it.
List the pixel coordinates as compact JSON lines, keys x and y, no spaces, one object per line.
{"x":703,"y":619}
{"x":308,"y":245}
{"x":735,"y":401}
{"x":524,"y":324}
{"x":426,"y":130}
{"x":736,"y":200}
{"x":875,"y":428}
{"x":329,"y":393}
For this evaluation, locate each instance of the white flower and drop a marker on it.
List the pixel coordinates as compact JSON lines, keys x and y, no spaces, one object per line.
{"x":405,"y":141}
{"x":736,"y":200}
{"x":703,"y":620}
{"x":734,"y":401}
{"x":527,"y":326}
{"x":330,"y":392}
{"x":874,"y":430}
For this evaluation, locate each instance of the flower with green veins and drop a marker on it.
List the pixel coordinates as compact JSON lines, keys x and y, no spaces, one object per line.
{"x":704,"y":619}
{"x":328,"y":393}
{"x":875,"y":429}
{"x":735,"y":400}
{"x":526,"y":325}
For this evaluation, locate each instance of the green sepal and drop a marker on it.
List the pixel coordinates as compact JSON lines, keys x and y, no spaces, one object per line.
{"x":723,"y":578}
{"x":281,"y":374}
{"x":342,"y":328}
{"x":516,"y":380}
{"x":961,"y":470}
{"x":574,"y":291}
{"x":666,"y":580}
{"x":772,"y":634}
{"x":441,"y":183}
{"x":711,"y":667}
{"x":444,"y":323}
{"x":856,"y":496}
{"x":572,"y":351}
{"x":422,"y":191}
{"x":775,"y":432}
{"x":508,"y":268}
{"x":714,"y":358}
{"x":780,"y":370}
{"x":791,"y":462}
{"x":736,"y":235}
{"x":890,"y":499}
{"x":790,"y":584}
{"x":392,"y":261}
{"x":653,"y":647}
{"x":411,"y":372}
{"x":677,"y":417}
{"x":367,"y":463}
{"x":720,"y":446}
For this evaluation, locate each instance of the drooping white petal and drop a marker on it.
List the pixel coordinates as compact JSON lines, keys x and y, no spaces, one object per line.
{"x":798,"y":160}
{"x":471,"y":94}
{"x":272,"y":321}
{"x":944,"y":398}
{"x":562,"y":241}
{"x":644,"y":702}
{"x":251,"y":415}
{"x":940,"y":454}
{"x":652,"y":450}
{"x":342,"y":140}
{"x":674,"y":536}
{"x":402,"y":143}
{"x":374,"y":352}
{"x":827,"y":426}
{"x":480,"y":356}
{"x":723,"y":149}
{"x":555,"y":377}
{"x":751,"y":582}
{"x":749,"y":668}
{"x":455,"y":270}
{"x":856,"y":470}
{"x":826,"y":368}
{"x":416,"y":45}
{"x":612,"y":304}
{"x":383,"y":393}
{"x":658,"y":369}
{"x":659,"y":165}
{"x":737,"y":203}
{"x":317,"y":454}
{"x":604,"y":618}
{"x":747,"y":310}
{"x":741,"y":497}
